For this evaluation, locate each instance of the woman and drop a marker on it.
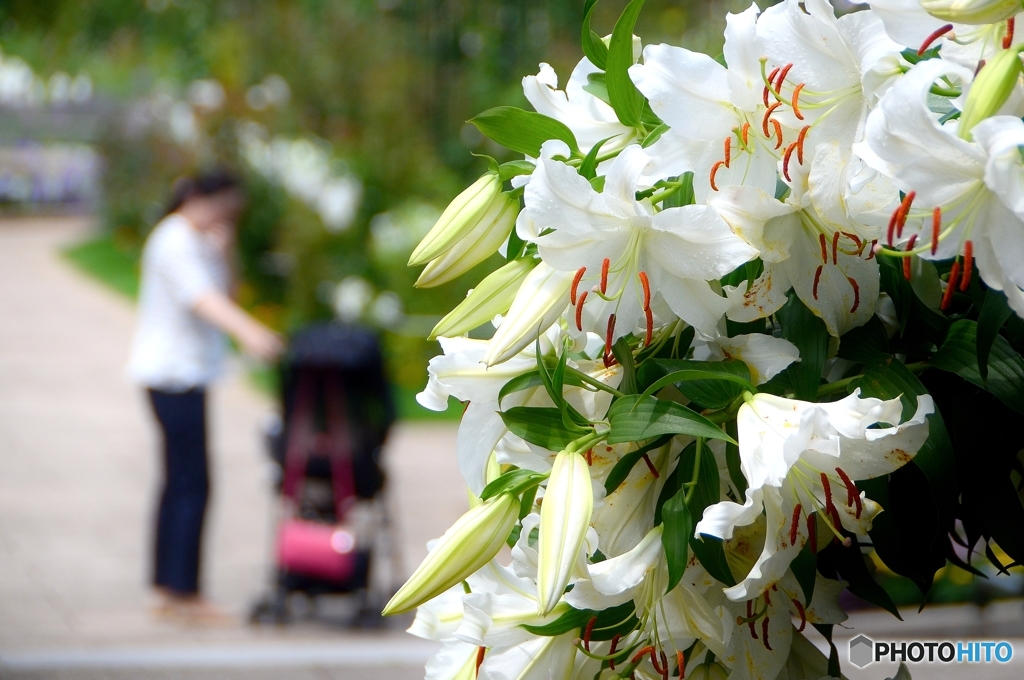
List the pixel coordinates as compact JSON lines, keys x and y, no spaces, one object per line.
{"x":183,"y":313}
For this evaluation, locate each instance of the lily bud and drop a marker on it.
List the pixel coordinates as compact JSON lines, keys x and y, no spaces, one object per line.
{"x":711,"y":671}
{"x":972,"y":11}
{"x":991,"y":89}
{"x":494,"y":295}
{"x":541,"y":299}
{"x":469,"y":544}
{"x":564,"y":517}
{"x":461,"y":215}
{"x":476,"y":245}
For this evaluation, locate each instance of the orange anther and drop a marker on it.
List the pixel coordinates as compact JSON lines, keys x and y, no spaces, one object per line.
{"x":646,"y":285}
{"x":728,"y":150}
{"x":954,"y":278}
{"x":965,"y":280}
{"x":935,"y":35}
{"x":785,"y":161}
{"x":1008,"y":38}
{"x":782,"y":77}
{"x":605,"y":264}
{"x":714,"y":171}
{"x":575,"y":284}
{"x":480,"y":651}
{"x":650,"y":326}
{"x":681,"y":663}
{"x":800,"y":144}
{"x":778,"y":133}
{"x":744,"y":134}
{"x":767,"y":115}
{"x":579,"y":311}
{"x":906,"y":260}
{"x":642,"y":653}
{"x":824,"y":248}
{"x":796,"y":101}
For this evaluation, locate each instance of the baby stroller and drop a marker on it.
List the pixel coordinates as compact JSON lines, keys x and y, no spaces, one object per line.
{"x":333,"y":527}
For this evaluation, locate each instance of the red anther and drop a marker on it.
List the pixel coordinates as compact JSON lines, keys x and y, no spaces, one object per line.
{"x":650,"y":466}
{"x":589,"y":455}
{"x":954,"y":279}
{"x":778,"y":133}
{"x":800,"y":144}
{"x":829,"y":505}
{"x":579,"y":311}
{"x":965,"y":280}
{"x":892,"y":225}
{"x":642,"y":653}
{"x":852,"y":493}
{"x":796,"y":101}
{"x":782,"y":77}
{"x":728,"y":150}
{"x":654,"y":661}
{"x":935,"y":35}
{"x":812,"y":533}
{"x":480,"y":651}
{"x":750,"y":619}
{"x":767,"y":598}
{"x":817,"y":279}
{"x":745,"y":134}
{"x":936,"y":226}
{"x":650,"y":326}
{"x":768,"y":114}
{"x":664,"y":665}
{"x":645,"y":283}
{"x":785,"y":161}
{"x":605,"y":264}
{"x":794,"y":526}
{"x":714,"y":171}
{"x":874,"y":242}
{"x":1008,"y":38}
{"x":575,"y":284}
{"x":856,"y":294}
{"x":764,"y":633}
{"x":908,"y":200}
{"x":771,"y":79}
{"x":838,"y":523}
{"x":835,"y":247}
{"x":906,"y":260}
{"x":803,"y":615}
{"x":856,"y":241}
{"x":977,"y":69}
{"x":608,"y":357}
{"x":764,"y":95}
{"x":824,"y":248}
{"x":611,"y":651}
{"x":590,"y":624}
{"x":681,"y":664}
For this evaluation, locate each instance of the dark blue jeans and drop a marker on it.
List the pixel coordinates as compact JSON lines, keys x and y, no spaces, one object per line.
{"x":179,"y":526}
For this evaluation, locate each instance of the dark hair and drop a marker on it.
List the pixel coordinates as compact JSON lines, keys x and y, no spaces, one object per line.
{"x":205,"y":183}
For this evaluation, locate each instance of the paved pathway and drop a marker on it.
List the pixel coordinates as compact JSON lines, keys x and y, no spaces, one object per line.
{"x":77,"y":476}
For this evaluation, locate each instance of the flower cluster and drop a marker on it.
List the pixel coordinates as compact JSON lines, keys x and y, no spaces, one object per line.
{"x":699,"y":383}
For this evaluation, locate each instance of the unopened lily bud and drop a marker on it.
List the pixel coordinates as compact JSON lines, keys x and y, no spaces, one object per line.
{"x":541,"y":299}
{"x":991,"y":89}
{"x":711,"y":671}
{"x":461,"y":215}
{"x":564,"y":517}
{"x":972,"y":11}
{"x":494,"y":295}
{"x":476,"y":245}
{"x":469,"y":544}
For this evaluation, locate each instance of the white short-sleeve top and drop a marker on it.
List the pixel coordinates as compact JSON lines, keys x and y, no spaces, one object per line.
{"x":174,"y":350}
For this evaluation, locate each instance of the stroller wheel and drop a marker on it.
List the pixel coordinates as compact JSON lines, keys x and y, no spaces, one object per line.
{"x":272,"y":608}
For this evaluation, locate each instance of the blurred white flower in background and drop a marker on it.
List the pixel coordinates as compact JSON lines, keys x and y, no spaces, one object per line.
{"x":206,"y":94}
{"x":351,"y":297}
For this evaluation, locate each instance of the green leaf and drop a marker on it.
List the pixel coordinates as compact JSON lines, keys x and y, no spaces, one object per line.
{"x":624,"y":355}
{"x":849,"y":562}
{"x":507,"y":171}
{"x":597,"y":86}
{"x":514,"y":481}
{"x":622,"y":93}
{"x":624,"y":466}
{"x":530,"y":380}
{"x":683,"y":195}
{"x":635,"y":418}
{"x":678,"y":529}
{"x":994,"y":313}
{"x":588,"y":168}
{"x":1005,"y":366}
{"x":707,"y":490}
{"x":570,"y":620}
{"x":593,"y":47}
{"x":865,"y":343}
{"x":712,"y":384}
{"x":654,"y":135}
{"x":541,"y":426}
{"x":802,"y":328}
{"x":732,"y":460}
{"x":711,"y":555}
{"x":522,"y":131}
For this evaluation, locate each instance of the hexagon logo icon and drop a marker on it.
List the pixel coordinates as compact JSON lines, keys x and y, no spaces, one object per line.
{"x":861,"y":651}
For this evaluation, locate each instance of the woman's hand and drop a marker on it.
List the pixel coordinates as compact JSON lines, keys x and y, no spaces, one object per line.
{"x":260,"y":342}
{"x":256,"y":339}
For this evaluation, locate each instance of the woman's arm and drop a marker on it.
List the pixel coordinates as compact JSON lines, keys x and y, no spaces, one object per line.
{"x":255,"y":338}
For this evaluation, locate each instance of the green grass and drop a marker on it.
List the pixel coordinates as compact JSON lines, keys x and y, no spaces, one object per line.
{"x":102,"y":259}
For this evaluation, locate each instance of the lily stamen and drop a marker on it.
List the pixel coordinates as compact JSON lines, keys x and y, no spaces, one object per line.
{"x":824,"y":248}
{"x":664,"y":665}
{"x":800,"y":143}
{"x":605,"y":264}
{"x":782,"y":76}
{"x":817,"y":279}
{"x":768,"y":116}
{"x":835,"y":247}
{"x":904,"y":211}
{"x":935,"y":35}
{"x":785,"y":161}
{"x":1008,"y":38}
{"x":611,"y":651}
{"x":794,"y":526}
{"x":874,"y":245}
{"x":650,"y":466}
{"x":771,"y":78}
{"x":646,"y":285}
{"x":812,"y":532}
{"x":728,"y":150}
{"x":644,"y":651}
{"x":579,"y":311}
{"x":803,"y":615}
{"x":856,"y":294}
{"x":590,"y":624}
{"x":906,"y":261}
{"x":649,"y":336}
{"x":936,"y":227}
{"x":480,"y":658}
{"x":608,"y":357}
{"x":681,"y":664}
{"x":852,"y":493}
{"x":965,"y":280}
{"x":778,"y":133}
{"x":795,"y":103}
{"x":714,"y":171}
{"x":744,"y":135}
{"x":764,"y":634}
{"x":954,"y":277}
{"x":575,"y":284}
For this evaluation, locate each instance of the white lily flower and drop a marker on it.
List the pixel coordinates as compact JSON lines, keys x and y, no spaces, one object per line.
{"x":624,"y":252}
{"x":454,"y":661}
{"x":709,"y":106}
{"x":590,"y":119}
{"x":564,"y":519}
{"x":973,"y":188}
{"x":800,"y":458}
{"x":492,"y":296}
{"x":765,"y":356}
{"x":550,"y":658}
